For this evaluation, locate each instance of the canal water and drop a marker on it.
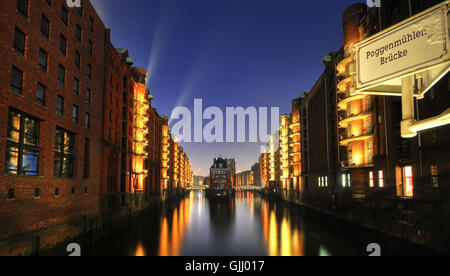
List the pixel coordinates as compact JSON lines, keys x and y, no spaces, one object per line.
{"x":248,"y":225}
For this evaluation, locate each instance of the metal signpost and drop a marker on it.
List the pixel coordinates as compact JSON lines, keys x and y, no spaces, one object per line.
{"x":407,"y":60}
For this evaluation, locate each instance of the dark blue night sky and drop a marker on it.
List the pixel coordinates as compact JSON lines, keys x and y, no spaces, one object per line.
{"x":226,"y":52}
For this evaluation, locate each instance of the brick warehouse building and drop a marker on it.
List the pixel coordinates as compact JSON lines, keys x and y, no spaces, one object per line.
{"x":78,"y":119}
{"x":51,"y":56}
{"x":359,"y":168}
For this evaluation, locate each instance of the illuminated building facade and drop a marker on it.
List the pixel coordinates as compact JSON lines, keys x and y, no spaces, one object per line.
{"x":141,"y":139}
{"x":356,"y":113}
{"x":175,"y":157}
{"x":295,"y":156}
{"x":264,"y":168}
{"x":256,"y":173}
{"x":155,"y":126}
{"x":221,"y":173}
{"x":244,"y":179}
{"x":353,"y":162}
{"x":82,"y":145}
{"x":284,"y":150}
{"x":165,"y":158}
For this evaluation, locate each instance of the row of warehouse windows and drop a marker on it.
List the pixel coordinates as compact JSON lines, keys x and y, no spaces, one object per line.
{"x":23,"y":9}
{"x":37,"y":193}
{"x":19,"y":45}
{"x":16,"y":86}
{"x":23,"y":148}
{"x":404,"y":181}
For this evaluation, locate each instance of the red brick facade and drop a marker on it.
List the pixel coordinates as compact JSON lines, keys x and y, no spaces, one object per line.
{"x":29,"y":210}
{"x":67,"y":96}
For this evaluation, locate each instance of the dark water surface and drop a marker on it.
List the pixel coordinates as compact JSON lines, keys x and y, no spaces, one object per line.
{"x":248,"y":225}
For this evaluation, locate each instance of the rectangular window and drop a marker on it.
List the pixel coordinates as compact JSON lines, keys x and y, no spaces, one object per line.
{"x":75,"y":114}
{"x":91,"y":24}
{"x":89,"y":71}
{"x":43,"y":60}
{"x":63,"y":45}
{"x":37,"y":193}
{"x":64,"y":153}
{"x":16,"y":80}
{"x":371,"y":180}
{"x":22,"y":148}
{"x":368,"y":104}
{"x":369,"y":126}
{"x":19,"y":41}
{"x":87,"y":121}
{"x":86,"y":158}
{"x":61,"y":75}
{"x":370,"y":152}
{"x":435,"y":176}
{"x":408,"y":181}
{"x":11,"y":195}
{"x":405,"y":182}
{"x":22,"y":7}
{"x":78,"y":33}
{"x":381,"y":179}
{"x":76,"y":86}
{"x":350,"y":155}
{"x":45,"y":27}
{"x":60,"y":106}
{"x":88,"y":96}
{"x":77,"y":59}
{"x":90,"y":47}
{"x":40,"y":97}
{"x":65,"y":16}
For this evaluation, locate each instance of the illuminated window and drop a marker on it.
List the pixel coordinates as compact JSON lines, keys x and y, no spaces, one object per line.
{"x":381,"y":179}
{"x":22,"y":150}
{"x":64,"y":153}
{"x":435,"y":176}
{"x":369,"y":126}
{"x":405,"y":182}
{"x":370,"y":152}
{"x":345,"y":180}
{"x":368,"y":104}
{"x":326,"y":181}
{"x":350,"y":154}
{"x":408,"y":181}
{"x":371,"y":180}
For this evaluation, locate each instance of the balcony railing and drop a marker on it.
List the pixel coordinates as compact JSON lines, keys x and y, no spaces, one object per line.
{"x":345,"y":139}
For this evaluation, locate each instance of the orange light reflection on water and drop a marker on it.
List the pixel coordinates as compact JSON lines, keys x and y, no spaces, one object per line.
{"x":280,"y":236}
{"x":173,"y":229}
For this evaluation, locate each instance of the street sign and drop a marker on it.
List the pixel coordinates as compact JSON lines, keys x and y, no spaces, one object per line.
{"x":417,"y":46}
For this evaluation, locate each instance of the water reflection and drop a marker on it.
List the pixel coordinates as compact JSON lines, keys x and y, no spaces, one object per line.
{"x":280,"y":236}
{"x":173,"y":228}
{"x":248,"y":225}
